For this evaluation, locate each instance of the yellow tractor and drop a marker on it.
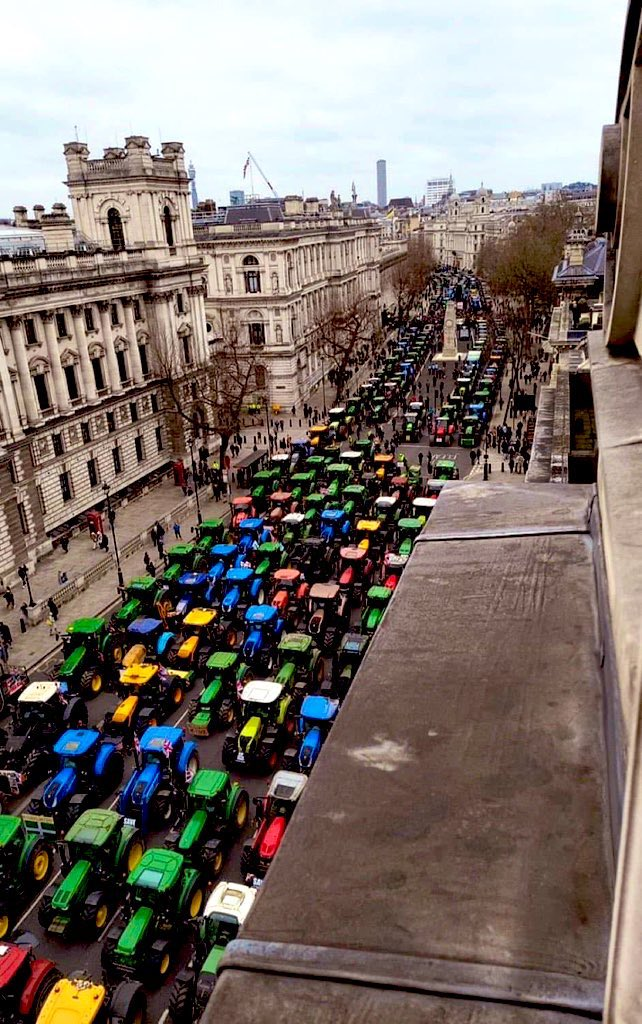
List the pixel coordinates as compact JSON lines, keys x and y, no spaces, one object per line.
{"x":82,"y":1001}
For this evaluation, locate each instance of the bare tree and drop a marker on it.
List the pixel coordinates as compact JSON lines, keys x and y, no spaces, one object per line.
{"x":343,"y":335}
{"x":209,"y":395}
{"x":412,"y":273}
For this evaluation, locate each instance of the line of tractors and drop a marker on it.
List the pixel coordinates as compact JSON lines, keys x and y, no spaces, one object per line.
{"x":258,"y":627}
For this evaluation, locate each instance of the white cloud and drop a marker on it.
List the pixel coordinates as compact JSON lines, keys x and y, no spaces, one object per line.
{"x":511,"y":94}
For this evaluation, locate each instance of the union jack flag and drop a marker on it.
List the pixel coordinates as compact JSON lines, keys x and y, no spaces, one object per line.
{"x":167,"y":748}
{"x":189,"y":775}
{"x":136,"y":743}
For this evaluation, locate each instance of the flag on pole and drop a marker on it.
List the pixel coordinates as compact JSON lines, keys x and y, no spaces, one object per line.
{"x":245,"y":166}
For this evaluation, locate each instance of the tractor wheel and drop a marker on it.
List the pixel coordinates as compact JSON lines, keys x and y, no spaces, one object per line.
{"x":128,"y":1004}
{"x":269,"y":757}
{"x":181,"y":1001}
{"x":213,"y":861}
{"x":132,"y":853}
{"x":114,"y":771}
{"x":319,"y":671}
{"x":94,"y":915}
{"x":232,"y":637}
{"x":230,"y":749}
{"x":162,"y":809}
{"x":115,"y":651}
{"x":241,"y":811}
{"x":91,"y":682}
{"x":40,"y":863}
{"x":75,"y":715}
{"x":45,"y":913}
{"x":41,"y":994}
{"x":226,"y":713}
{"x":176,"y":696}
{"x":7,"y":920}
{"x":194,"y":900}
{"x":247,"y":860}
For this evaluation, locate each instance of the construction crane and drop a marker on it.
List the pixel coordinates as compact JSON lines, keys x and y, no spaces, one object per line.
{"x":251,"y":161}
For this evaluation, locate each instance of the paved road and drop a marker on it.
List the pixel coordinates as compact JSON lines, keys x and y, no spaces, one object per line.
{"x":71,"y":956}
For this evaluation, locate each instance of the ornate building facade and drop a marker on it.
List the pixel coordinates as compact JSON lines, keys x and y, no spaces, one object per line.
{"x":79,"y":403}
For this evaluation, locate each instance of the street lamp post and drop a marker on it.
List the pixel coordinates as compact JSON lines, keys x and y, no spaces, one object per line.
{"x":323,"y":382}
{"x":268,"y":424}
{"x":199,"y":517}
{"x":111,"y":515}
{"x":23,"y":573}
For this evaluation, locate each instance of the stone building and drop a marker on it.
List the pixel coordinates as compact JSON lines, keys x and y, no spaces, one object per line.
{"x":272,"y":270}
{"x":79,"y":405}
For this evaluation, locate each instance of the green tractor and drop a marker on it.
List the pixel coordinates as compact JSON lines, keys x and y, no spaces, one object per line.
{"x":26,"y":861}
{"x":210,"y":532}
{"x":216,"y":814}
{"x":301,"y":667}
{"x":225,"y":913}
{"x":162,"y":894}
{"x":270,"y":555}
{"x":266,"y":725}
{"x":215,"y":706}
{"x":376,"y":603}
{"x":98,"y":852}
{"x":143,"y":596}
{"x":89,"y":651}
{"x":180,"y":559}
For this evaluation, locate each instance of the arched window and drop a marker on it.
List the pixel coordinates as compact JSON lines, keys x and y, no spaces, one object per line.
{"x":252,"y":277}
{"x":116,"y":232}
{"x":167,"y":225}
{"x":259,"y":376}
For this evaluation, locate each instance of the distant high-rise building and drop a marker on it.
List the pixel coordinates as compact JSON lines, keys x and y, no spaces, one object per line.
{"x":237,"y":198}
{"x":191,"y":170}
{"x":437,"y":188}
{"x":552,"y":186}
{"x":382,"y":184}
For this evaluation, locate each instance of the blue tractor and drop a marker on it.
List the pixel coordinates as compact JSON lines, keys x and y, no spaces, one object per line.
{"x":335,"y":526}
{"x":263,"y":632}
{"x":155,"y":792}
{"x":89,"y":769}
{"x":315,"y":719}
{"x":242,"y":587}
{"x":148,"y":638}
{"x":252,"y":533}
{"x":193,"y":587}
{"x":224,"y":557}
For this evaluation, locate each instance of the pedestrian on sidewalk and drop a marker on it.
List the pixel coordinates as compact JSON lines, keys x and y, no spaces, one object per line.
{"x":99,"y":541}
{"x":146,"y":559}
{"x":62,"y":578}
{"x":24,"y":617}
{"x":53,"y":608}
{"x":153,"y":535}
{"x":93,"y":536}
{"x":151,"y":569}
{"x":160,"y":547}
{"x":160,"y":530}
{"x":104,"y":543}
{"x":519,"y":463}
{"x":64,"y":543}
{"x":478,"y":454}
{"x":5,"y":634}
{"x":9,"y":598}
{"x":177,"y":531}
{"x":53,"y":629}
{"x":4,"y":655}
{"x":473,"y":457}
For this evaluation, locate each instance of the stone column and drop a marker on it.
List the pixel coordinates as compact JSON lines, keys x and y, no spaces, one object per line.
{"x":110,"y":351}
{"x":87,"y":373}
{"x":130,"y":330}
{"x":61,"y":395}
{"x":34,"y":416}
{"x":12,"y":423}
{"x":196,"y":293}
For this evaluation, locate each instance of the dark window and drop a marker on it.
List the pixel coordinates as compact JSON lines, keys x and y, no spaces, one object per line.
{"x":85,"y":432}
{"x":259,"y":374}
{"x":72,"y":382}
{"x":12,"y":471}
{"x":256,"y":333}
{"x":61,"y":325}
{"x":187,"y":349}
{"x":154,"y":402}
{"x":136,"y":307}
{"x":252,"y":281}
{"x":250,"y":261}
{"x":65,"y":486}
{"x":89,"y":318}
{"x":134,"y":412}
{"x":115,"y":454}
{"x":22,"y":516}
{"x":179,"y":303}
{"x":193,"y":390}
{"x":159,"y":438}
{"x":92,"y":472}
{"x":99,"y":380}
{"x":138,"y":445}
{"x":167,"y":224}
{"x":58,"y":446}
{"x":111,"y":423}
{"x":122,"y":366}
{"x":41,"y":500}
{"x":30,"y":331}
{"x":115,"y":318}
{"x":116,"y":232}
{"x":144,"y":365}
{"x":42,"y":392}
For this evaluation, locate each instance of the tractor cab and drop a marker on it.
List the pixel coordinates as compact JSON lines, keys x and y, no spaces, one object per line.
{"x":302,"y":484}
{"x":384,"y":465}
{"x":355,"y":568}
{"x":313,"y":557}
{"x":470,"y":430}
{"x":434,"y":488}
{"x":408,"y":529}
{"x":365,"y":446}
{"x":280,"y":503}
{"x":315,"y":719}
{"x":422,"y":508}
{"x":347,"y":660}
{"x":193,"y":587}
{"x":241,"y":508}
{"x":327,"y":608}
{"x":87,"y":666}
{"x":143,"y":596}
{"x":368,"y":536}
{"x":320,"y":436}
{"x":393,"y":566}
{"x":444,"y":430}
{"x":263,"y":483}
{"x":289,"y":594}
{"x":418,"y":409}
{"x":355,"y":499}
{"x":292,"y":526}
{"x":264,"y":707}
{"x":252,"y":532}
{"x":411,"y":427}
{"x":210,"y":532}
{"x":386,"y":509}
{"x":270,"y":556}
{"x":223,"y":557}
{"x":263,"y":629}
{"x":335,"y":525}
{"x":180,"y":559}
{"x":224,"y":915}
{"x":242,"y":587}
{"x":377,"y":600}
{"x":352,"y":458}
{"x":446,"y":469}
{"x":338,"y":474}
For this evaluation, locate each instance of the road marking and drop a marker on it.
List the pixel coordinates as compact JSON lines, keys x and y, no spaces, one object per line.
{"x":163,"y":1017}
{"x":109,"y":924}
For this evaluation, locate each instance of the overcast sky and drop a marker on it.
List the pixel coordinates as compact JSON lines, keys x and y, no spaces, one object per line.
{"x":509,"y":92}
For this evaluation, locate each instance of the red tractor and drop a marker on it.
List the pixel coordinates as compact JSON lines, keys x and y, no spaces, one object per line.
{"x":25,"y":983}
{"x":290,"y":594}
{"x":273,"y":811}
